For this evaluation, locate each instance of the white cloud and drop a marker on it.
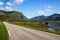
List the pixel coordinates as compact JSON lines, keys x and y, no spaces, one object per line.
{"x":41,"y":12}
{"x":1,"y":8}
{"x":58,"y":12}
{"x":49,"y":8}
{"x":13,"y":3}
{"x":9,"y":3}
{"x":18,"y":1}
{"x":1,"y":3}
{"x":7,"y":8}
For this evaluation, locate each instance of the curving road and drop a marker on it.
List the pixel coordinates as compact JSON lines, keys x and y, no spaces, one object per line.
{"x":22,"y":33}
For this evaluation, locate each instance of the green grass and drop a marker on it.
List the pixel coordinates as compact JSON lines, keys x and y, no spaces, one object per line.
{"x":36,"y":25}
{"x":56,"y":22}
{"x":3,"y":32}
{"x":55,"y":32}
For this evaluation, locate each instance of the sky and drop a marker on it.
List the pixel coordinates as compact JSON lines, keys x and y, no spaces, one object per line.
{"x":31,"y":8}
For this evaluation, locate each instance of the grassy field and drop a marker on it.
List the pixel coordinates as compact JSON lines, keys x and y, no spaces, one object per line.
{"x":3,"y":32}
{"x":55,"y":22}
{"x":35,"y":25}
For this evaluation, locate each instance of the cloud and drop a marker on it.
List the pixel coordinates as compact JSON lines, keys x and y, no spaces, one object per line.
{"x":18,"y":1}
{"x":9,"y":4}
{"x":1,"y":8}
{"x":49,"y":8}
{"x":7,"y":8}
{"x":41,"y":12}
{"x":1,"y":3}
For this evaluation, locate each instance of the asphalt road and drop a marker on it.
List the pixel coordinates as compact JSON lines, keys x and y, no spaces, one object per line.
{"x":22,"y":33}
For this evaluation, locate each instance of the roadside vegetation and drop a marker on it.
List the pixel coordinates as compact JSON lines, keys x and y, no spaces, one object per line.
{"x":36,"y":25}
{"x":55,"y":22}
{"x":3,"y":32}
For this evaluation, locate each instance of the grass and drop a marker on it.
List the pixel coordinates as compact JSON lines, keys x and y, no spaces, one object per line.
{"x":56,"y":22}
{"x":3,"y":32}
{"x":55,"y":32}
{"x":32,"y":24}
{"x":36,"y":25}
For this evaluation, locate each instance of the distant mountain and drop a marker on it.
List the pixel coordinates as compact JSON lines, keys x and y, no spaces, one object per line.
{"x":18,"y":16}
{"x":54,"y":17}
{"x":39,"y":18}
{"x":12,"y":15}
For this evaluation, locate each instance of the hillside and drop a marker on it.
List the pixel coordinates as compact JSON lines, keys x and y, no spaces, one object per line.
{"x":18,"y":16}
{"x":12,"y":15}
{"x":54,"y":17}
{"x":38,"y":18}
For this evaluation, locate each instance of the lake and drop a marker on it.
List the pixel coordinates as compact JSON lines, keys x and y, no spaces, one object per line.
{"x":54,"y":27}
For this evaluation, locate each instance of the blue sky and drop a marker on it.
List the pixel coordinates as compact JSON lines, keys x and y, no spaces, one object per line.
{"x":31,"y":8}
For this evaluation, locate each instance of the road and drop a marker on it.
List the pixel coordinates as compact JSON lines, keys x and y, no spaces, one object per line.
{"x":22,"y":33}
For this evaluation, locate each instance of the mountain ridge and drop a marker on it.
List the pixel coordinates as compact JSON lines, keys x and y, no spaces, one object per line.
{"x":53,"y":17}
{"x":12,"y":15}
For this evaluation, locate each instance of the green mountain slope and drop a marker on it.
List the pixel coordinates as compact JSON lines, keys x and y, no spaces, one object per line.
{"x":11,"y":16}
{"x":54,"y":17}
{"x":39,"y":18}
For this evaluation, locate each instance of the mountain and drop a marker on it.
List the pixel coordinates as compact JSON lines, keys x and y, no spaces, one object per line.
{"x":39,"y":18}
{"x":18,"y":16}
{"x":54,"y":17}
{"x":12,"y":15}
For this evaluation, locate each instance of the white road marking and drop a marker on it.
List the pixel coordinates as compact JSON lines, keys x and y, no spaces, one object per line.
{"x":9,"y":33}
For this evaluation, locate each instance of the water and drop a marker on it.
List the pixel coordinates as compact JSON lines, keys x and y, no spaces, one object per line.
{"x":54,"y":27}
